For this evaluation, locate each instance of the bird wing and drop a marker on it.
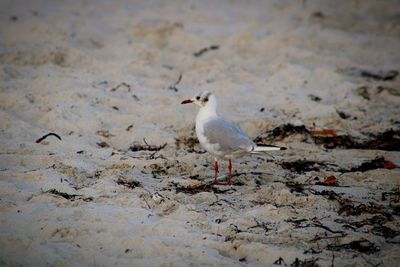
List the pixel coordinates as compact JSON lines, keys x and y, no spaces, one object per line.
{"x":228,"y":136}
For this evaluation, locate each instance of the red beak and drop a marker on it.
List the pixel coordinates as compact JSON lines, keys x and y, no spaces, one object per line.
{"x":187,"y":101}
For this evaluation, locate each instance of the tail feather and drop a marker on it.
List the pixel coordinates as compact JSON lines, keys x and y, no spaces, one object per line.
{"x":266,"y":148}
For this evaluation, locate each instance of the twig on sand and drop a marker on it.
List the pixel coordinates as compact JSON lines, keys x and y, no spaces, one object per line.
{"x":314,"y":223}
{"x":47,"y":135}
{"x":120,"y":85}
{"x":318,"y":237}
{"x":70,"y":197}
{"x":206,"y":49}
{"x":280,"y":261}
{"x":173,"y":86}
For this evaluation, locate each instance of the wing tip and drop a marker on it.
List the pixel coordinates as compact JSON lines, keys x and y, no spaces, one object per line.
{"x":272,"y":146}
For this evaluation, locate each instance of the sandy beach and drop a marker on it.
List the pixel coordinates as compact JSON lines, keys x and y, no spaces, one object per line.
{"x":122,"y":180}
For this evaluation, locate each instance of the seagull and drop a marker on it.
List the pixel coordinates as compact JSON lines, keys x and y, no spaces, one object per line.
{"x":221,"y":138}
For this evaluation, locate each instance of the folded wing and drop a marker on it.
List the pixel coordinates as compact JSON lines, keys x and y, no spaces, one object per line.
{"x":228,"y":136}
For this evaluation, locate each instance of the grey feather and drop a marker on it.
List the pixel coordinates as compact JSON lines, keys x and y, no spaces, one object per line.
{"x":228,"y":136}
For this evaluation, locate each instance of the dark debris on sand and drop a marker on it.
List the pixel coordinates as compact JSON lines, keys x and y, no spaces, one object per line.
{"x":70,"y":197}
{"x":388,"y":140}
{"x":363,"y":246}
{"x":146,"y":147}
{"x":200,"y":187}
{"x":188,"y":141}
{"x":280,"y":133}
{"x":47,"y":135}
{"x":378,"y":75}
{"x":305,"y":263}
{"x":302,"y":166}
{"x":377,"y":163}
{"x":129,"y":183}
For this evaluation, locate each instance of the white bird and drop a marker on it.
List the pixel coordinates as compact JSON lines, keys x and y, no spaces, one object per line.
{"x":220,"y":137}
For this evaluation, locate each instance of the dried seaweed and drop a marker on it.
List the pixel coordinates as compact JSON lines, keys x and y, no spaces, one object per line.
{"x":317,"y":15}
{"x":281,"y":132}
{"x":173,"y":86}
{"x":312,"y":251}
{"x":363,"y":246}
{"x":103,"y":144}
{"x":305,"y":263}
{"x":377,"y":163}
{"x":296,"y":221}
{"x":328,"y":194}
{"x":200,"y":187}
{"x":280,"y":261}
{"x":314,"y":98}
{"x":301,"y":166}
{"x":194,"y":189}
{"x":394,"y":196}
{"x":71,"y":197}
{"x":131,"y":183}
{"x":390,"y":90}
{"x":363,"y":92}
{"x":296,"y":187}
{"x":388,"y":140}
{"x":146,"y":147}
{"x":189,"y":142}
{"x":157,"y":170}
{"x":331,"y":142}
{"x":47,"y":135}
{"x":104,"y":133}
{"x":374,"y":220}
{"x":129,"y":128}
{"x":384,"y":231}
{"x":396,"y":210}
{"x":303,"y":223}
{"x":343,"y":115}
{"x":349,"y":209}
{"x":378,"y":75}
{"x":123,"y":84}
{"x":320,"y":225}
{"x":204,"y":50}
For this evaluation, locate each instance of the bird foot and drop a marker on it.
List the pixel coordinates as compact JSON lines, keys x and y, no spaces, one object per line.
{"x":223,"y":183}
{"x":226,"y":182}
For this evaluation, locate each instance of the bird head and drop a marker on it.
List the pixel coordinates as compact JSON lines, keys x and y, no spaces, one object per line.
{"x":202,"y":99}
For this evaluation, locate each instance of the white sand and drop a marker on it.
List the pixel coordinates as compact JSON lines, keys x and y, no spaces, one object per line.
{"x":59,"y":61}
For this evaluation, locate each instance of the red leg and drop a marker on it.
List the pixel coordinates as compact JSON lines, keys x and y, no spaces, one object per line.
{"x":216,"y":171}
{"x":230,"y":173}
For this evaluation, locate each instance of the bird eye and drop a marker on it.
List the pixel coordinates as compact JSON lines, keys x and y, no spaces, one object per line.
{"x":197,"y":97}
